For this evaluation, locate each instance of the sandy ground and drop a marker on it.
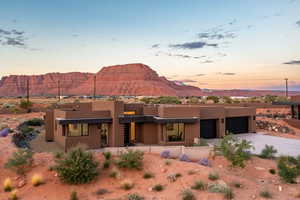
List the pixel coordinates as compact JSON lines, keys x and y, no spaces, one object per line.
{"x":254,"y":178}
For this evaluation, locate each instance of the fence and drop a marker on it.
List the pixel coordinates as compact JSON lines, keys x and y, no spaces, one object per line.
{"x":194,"y":153}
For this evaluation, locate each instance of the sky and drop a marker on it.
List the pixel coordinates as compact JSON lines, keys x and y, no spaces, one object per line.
{"x":217,"y":44}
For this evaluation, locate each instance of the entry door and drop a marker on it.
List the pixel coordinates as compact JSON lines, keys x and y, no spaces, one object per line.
{"x":237,"y":125}
{"x":126,"y":134}
{"x":208,"y":128}
{"x":299,"y":112}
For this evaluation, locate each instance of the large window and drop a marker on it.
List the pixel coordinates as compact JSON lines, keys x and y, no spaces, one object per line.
{"x":104,"y":134}
{"x":175,"y":132}
{"x":78,"y":130}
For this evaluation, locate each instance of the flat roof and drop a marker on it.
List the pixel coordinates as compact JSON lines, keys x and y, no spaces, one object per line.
{"x":63,"y":121}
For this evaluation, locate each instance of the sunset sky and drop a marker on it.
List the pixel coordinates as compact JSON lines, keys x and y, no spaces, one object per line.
{"x":218,"y":44}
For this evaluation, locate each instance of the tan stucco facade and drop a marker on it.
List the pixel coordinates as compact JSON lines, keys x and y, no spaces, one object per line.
{"x":146,"y":124}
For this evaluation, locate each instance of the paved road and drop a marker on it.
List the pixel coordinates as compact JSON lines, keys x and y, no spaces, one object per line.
{"x":284,"y":146}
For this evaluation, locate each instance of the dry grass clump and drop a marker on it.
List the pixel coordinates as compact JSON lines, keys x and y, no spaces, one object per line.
{"x":127,"y":184}
{"x":7,"y":185}
{"x":37,"y":180}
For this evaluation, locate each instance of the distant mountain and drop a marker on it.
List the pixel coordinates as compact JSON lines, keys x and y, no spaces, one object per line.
{"x":130,"y":79}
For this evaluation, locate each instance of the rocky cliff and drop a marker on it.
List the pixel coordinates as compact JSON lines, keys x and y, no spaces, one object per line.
{"x":131,"y":79}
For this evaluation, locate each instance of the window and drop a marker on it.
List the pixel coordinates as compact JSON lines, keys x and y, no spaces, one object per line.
{"x":175,"y":132}
{"x":104,"y":134}
{"x":78,"y":130}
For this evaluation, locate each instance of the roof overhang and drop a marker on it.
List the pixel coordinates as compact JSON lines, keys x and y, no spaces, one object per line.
{"x":288,"y":103}
{"x":153,"y":119}
{"x":63,"y":121}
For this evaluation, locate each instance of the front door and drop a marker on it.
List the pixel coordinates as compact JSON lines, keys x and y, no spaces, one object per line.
{"x":127,"y":134}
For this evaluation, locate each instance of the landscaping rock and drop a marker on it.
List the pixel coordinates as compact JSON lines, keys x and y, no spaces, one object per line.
{"x":21,"y":183}
{"x":271,"y":126}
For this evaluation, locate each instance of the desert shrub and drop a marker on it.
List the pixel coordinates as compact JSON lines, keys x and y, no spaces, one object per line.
{"x":158,"y":187}
{"x":13,"y":195}
{"x":135,"y":197}
{"x":288,"y":168}
{"x":101,"y":191}
{"x":131,"y":160}
{"x":177,"y":175}
{"x":184,"y":158}
{"x":107,"y":155}
{"x":228,"y":193}
{"x":268,"y":152}
{"x":192,"y":171}
{"x":187,"y":194}
{"x":165,"y":154}
{"x":167,"y":162}
{"x":7,"y":185}
{"x":77,"y":167}
{"x":35,"y":122}
{"x":213,"y":176}
{"x":74,"y":196}
{"x":237,"y":184}
{"x":106,"y":164}
{"x":265,"y":194}
{"x":272,"y":171}
{"x":148,"y":175}
{"x":205,"y":162}
{"x":215,"y":99}
{"x":24,"y":104}
{"x":199,"y":185}
{"x":114,"y":173}
{"x":37,"y":180}
{"x":58,"y":155}
{"x":127,"y":184}
{"x":235,"y":150}
{"x":20,"y":161}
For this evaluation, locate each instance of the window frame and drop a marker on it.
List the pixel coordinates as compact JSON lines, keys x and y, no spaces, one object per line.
{"x":178,"y":125}
{"x":81,"y":130}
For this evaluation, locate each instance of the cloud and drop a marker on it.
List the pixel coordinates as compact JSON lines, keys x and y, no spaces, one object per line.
{"x":13,"y":38}
{"x":292,"y":62}
{"x":179,"y":55}
{"x":155,"y":46}
{"x":298,"y":23}
{"x":226,"y":73}
{"x":216,"y":36}
{"x":200,"y":74}
{"x":193,"y":45}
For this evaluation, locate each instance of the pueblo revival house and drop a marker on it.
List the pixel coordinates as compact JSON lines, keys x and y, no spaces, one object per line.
{"x":116,"y":124}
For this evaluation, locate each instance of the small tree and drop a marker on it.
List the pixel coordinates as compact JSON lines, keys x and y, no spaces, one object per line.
{"x":234,"y":150}
{"x":76,"y":167}
{"x":131,"y":160}
{"x":24,"y":104}
{"x":215,"y":99}
{"x":289,"y":168}
{"x":20,"y":161}
{"x":268,"y":152}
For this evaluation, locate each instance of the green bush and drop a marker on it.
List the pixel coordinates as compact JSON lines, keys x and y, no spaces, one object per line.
{"x":235,"y":150}
{"x":213,"y":176}
{"x":35,"y":122}
{"x":215,"y":99}
{"x":219,"y":188}
{"x":199,"y":185}
{"x":265,"y":194}
{"x":107,"y":155}
{"x":148,"y":175}
{"x":288,"y":168}
{"x":106,"y":164}
{"x":77,"y":167}
{"x":74,"y":196}
{"x":187,"y":195}
{"x":24,"y":104}
{"x":228,"y":193}
{"x":135,"y":197}
{"x":158,"y":187}
{"x":237,"y":184}
{"x":131,"y":160}
{"x":20,"y":161}
{"x":268,"y":152}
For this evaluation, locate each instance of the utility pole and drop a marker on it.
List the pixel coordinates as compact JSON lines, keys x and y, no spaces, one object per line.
{"x":286,"y":88}
{"x":27,"y":88}
{"x":94,"y":87}
{"x":58,"y":90}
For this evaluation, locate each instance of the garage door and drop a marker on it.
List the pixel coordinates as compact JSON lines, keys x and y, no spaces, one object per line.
{"x":208,"y":128}
{"x":237,"y":125}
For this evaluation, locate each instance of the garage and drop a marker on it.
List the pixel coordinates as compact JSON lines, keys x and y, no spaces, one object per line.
{"x":208,"y":128}
{"x":237,"y":125}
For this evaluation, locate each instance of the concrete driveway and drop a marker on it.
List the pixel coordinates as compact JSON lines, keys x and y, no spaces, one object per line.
{"x":284,"y":146}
